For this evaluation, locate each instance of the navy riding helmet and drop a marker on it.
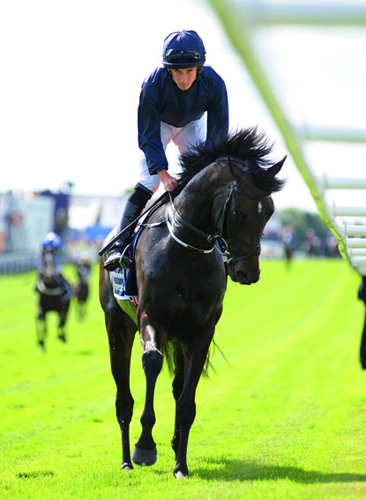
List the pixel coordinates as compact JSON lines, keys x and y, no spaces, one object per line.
{"x":183,"y":49}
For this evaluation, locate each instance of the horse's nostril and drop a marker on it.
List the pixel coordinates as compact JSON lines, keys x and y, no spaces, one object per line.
{"x":247,"y":278}
{"x":242,"y":277}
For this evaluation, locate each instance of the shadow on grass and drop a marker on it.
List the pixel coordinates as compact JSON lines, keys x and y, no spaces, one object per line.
{"x":237,"y":470}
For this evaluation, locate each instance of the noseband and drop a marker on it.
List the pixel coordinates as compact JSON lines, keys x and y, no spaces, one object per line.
{"x":218,"y":240}
{"x":223,"y":225}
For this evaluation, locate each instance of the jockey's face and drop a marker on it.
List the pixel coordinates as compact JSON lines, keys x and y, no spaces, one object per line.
{"x":184,"y":77}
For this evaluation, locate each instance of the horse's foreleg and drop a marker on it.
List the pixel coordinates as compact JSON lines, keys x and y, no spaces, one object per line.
{"x":41,"y":333}
{"x":152,"y":361}
{"x":62,"y":322}
{"x":61,"y":328}
{"x":186,"y":405}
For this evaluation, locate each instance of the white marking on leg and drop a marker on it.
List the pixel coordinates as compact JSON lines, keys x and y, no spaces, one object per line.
{"x":149,"y":343}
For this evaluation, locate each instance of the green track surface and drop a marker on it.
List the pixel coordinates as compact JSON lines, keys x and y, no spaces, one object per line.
{"x":282,"y":415}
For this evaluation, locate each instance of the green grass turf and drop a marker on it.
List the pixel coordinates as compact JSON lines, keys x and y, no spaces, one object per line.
{"x":282,"y":416}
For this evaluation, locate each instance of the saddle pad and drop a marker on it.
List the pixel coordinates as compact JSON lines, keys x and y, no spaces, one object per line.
{"x":124,"y":284}
{"x":124,"y":280}
{"x":42,"y":288}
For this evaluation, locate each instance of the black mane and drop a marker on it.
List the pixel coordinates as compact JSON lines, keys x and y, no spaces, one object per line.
{"x":248,"y":145}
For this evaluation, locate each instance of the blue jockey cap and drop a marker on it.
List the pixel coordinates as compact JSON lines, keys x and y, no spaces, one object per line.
{"x":52,"y":240}
{"x":183,"y":49}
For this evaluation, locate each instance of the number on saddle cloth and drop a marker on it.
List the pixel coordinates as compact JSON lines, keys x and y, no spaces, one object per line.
{"x":124,"y":280}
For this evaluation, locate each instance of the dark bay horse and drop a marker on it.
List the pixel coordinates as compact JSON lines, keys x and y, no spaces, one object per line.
{"x":210,"y":229}
{"x":81,"y":289}
{"x":54,"y":294}
{"x":81,"y":292}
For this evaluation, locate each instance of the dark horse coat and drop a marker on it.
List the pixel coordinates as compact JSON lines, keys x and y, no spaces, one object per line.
{"x":189,"y":246}
{"x":54,"y":294}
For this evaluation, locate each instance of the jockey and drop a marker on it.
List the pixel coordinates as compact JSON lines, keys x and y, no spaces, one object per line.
{"x":175,"y":102}
{"x":51,"y":245}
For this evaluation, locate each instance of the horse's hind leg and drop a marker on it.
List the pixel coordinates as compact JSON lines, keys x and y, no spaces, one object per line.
{"x":177,"y":390}
{"x":121,"y":332}
{"x":152,"y":361}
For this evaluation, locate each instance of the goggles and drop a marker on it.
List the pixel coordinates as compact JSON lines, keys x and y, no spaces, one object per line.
{"x":176,"y":56}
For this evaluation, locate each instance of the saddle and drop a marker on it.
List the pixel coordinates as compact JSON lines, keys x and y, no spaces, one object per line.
{"x":124,"y":280}
{"x":61,"y":287}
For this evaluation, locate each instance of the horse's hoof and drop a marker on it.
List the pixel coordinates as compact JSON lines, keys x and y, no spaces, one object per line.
{"x":180,"y":471}
{"x":144,"y":457}
{"x":62,"y":338}
{"x":126,"y":466}
{"x":180,"y":475}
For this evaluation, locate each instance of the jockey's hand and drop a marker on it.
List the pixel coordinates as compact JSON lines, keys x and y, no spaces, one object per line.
{"x":168,"y":181}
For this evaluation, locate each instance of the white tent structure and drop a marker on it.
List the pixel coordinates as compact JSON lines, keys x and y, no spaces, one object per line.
{"x":315,"y":93}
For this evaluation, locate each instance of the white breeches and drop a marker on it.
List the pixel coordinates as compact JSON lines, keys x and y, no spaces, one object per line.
{"x":190,"y":135}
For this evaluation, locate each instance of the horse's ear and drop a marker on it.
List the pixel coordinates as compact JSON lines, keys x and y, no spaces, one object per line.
{"x":277,"y":167}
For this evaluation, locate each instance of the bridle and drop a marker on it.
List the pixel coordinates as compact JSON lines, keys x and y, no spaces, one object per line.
{"x":49,"y":276}
{"x":219,"y":239}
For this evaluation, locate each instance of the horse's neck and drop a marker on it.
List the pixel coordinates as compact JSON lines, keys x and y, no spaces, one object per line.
{"x":49,"y":274}
{"x":48,"y":270}
{"x":194,"y":203}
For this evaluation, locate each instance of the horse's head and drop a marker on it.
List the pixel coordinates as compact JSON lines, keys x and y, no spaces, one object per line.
{"x":240,"y":162}
{"x":48,"y":270}
{"x":248,"y":207}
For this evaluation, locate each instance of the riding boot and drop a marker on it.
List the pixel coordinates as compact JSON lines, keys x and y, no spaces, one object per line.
{"x":134,"y":206}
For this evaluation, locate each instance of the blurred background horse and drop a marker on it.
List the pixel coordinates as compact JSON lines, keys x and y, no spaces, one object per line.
{"x":81,"y":289}
{"x":54,"y":291}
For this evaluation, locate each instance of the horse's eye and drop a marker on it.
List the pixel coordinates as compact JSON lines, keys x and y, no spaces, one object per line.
{"x":239,"y":216}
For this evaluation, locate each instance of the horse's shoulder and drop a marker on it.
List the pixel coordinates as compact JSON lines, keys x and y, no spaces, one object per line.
{"x":154,"y":220}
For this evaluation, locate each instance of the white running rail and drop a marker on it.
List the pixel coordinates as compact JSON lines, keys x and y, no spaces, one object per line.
{"x":239,"y":20}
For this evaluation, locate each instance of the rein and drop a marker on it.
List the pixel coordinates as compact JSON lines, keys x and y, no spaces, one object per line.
{"x":214,"y":240}
{"x":217,"y":240}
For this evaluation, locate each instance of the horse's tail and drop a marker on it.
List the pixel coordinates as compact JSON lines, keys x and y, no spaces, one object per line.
{"x":173,"y":350}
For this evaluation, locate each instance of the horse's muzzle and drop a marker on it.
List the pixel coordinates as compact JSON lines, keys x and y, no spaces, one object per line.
{"x":243,"y":276}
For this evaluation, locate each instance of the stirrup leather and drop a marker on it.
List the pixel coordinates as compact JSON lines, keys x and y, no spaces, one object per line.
{"x":118,"y":258}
